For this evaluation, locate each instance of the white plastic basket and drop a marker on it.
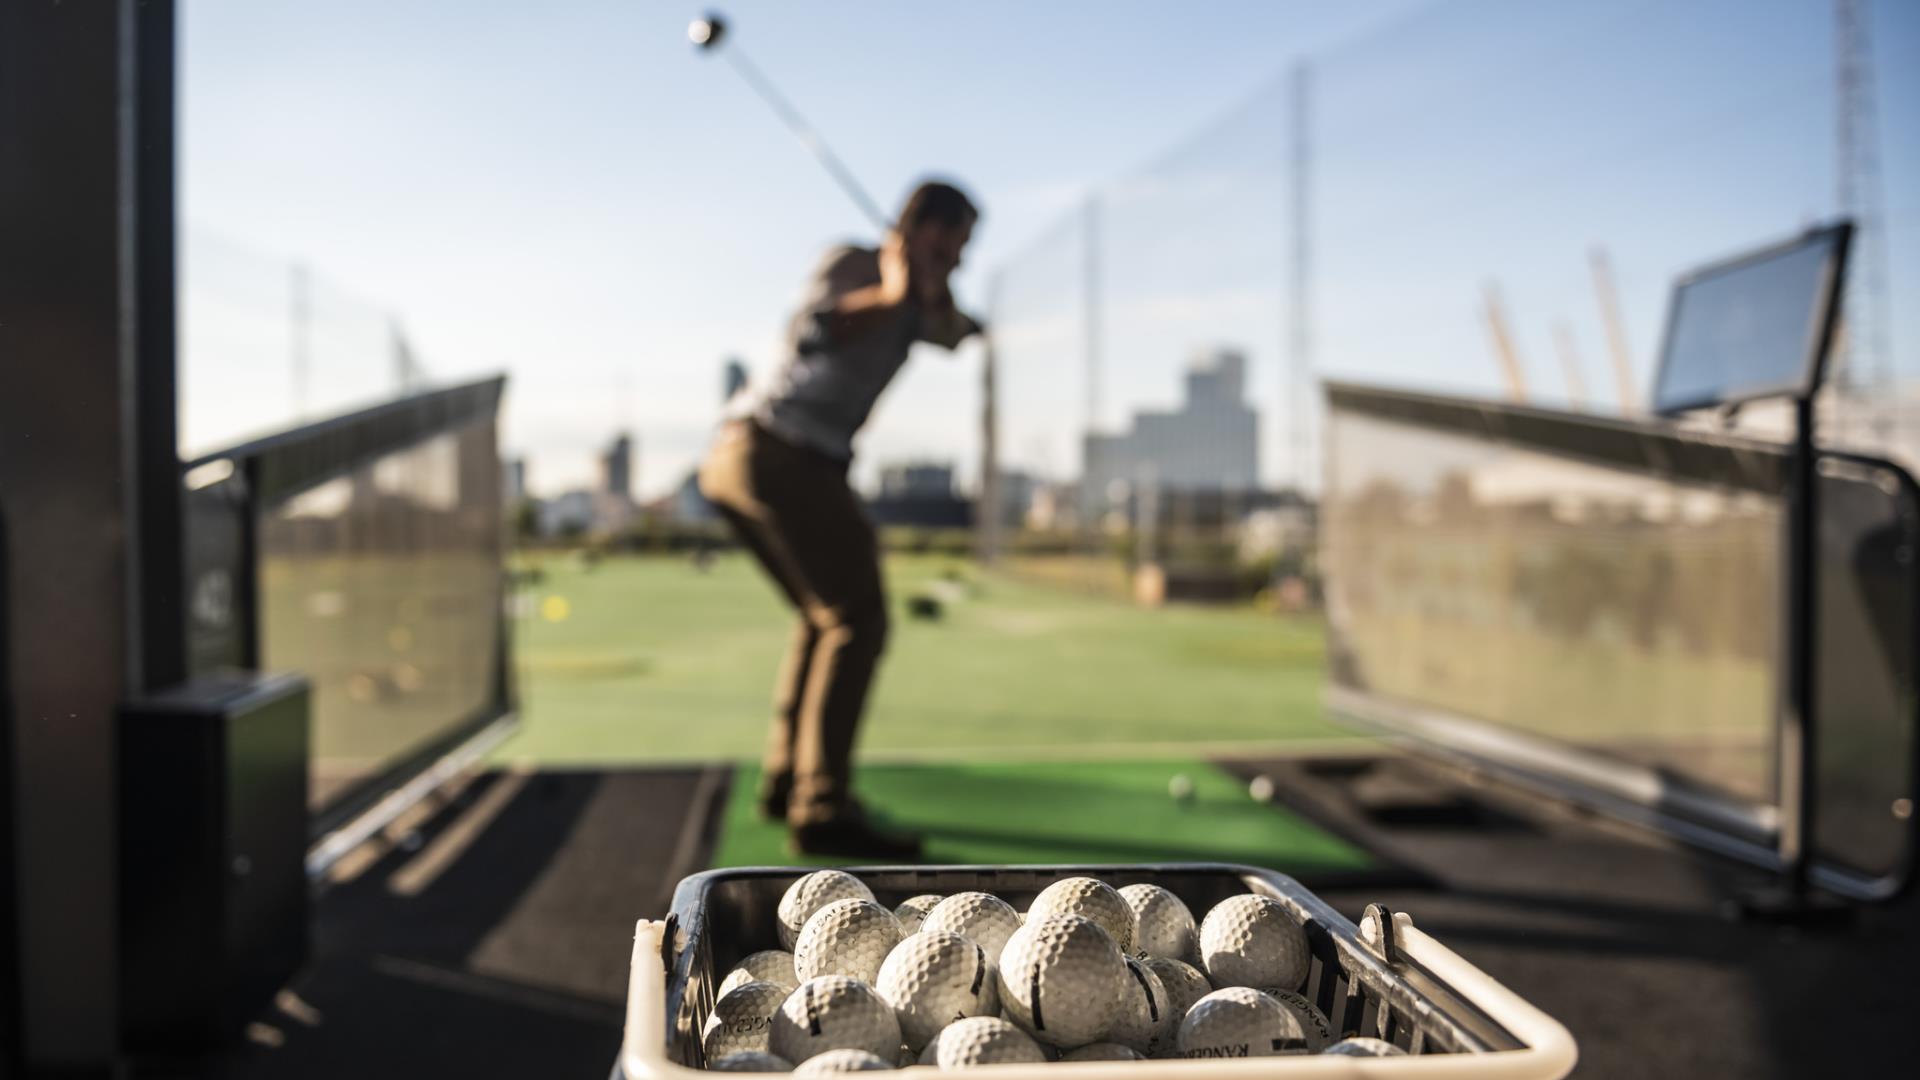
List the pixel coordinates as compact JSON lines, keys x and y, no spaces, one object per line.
{"x":1383,"y":978}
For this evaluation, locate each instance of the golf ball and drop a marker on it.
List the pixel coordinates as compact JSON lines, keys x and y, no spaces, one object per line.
{"x":741,"y":1019}
{"x":847,"y":937}
{"x":985,"y":918}
{"x":933,"y":979}
{"x":1183,"y":982}
{"x":1253,"y":941}
{"x":913,"y":911}
{"x":1319,"y":1029}
{"x":770,"y":965}
{"x":1162,"y":925}
{"x":1261,"y":788}
{"x":1089,"y":898}
{"x":810,"y":894}
{"x":1181,"y":788}
{"x":1061,"y":978}
{"x":1105,"y":1051}
{"x":750,"y":1061}
{"x":1362,"y":1046}
{"x":984,"y":1040}
{"x":1142,"y":1020}
{"x":834,"y":1012}
{"x":930,"y":1055}
{"x":1240,"y":1022}
{"x":840,"y":1061}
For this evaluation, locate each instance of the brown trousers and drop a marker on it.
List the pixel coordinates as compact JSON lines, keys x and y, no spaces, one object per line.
{"x":793,"y":509}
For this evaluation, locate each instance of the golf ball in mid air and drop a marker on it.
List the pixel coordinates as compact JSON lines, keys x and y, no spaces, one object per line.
{"x":1181,"y":788}
{"x":1261,"y":788}
{"x":811,"y":893}
{"x":1252,"y":940}
{"x":933,"y":979}
{"x":1089,"y":898}
{"x":1061,"y":978}
{"x":834,"y":1012}
{"x":1162,"y":925}
{"x":984,"y":1040}
{"x":847,"y":937}
{"x":742,"y":1019}
{"x":769,"y":965}
{"x":985,"y":918}
{"x":1240,"y":1022}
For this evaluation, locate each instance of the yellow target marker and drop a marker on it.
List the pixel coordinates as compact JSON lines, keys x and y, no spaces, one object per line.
{"x":555,"y":609}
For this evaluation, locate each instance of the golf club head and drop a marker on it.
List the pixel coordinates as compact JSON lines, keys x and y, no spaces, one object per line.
{"x":707,"y":31}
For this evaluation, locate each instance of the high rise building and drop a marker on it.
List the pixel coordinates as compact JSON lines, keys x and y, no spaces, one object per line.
{"x":1210,"y":443}
{"x":616,"y":467}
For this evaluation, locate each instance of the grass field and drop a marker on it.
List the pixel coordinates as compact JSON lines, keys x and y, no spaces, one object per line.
{"x":648,"y":660}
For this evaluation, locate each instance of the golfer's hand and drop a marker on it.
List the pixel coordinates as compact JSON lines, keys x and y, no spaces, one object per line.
{"x":897,"y":284}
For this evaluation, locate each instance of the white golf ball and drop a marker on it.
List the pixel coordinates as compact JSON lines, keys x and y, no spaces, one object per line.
{"x":1142,"y":1020}
{"x":984,"y":1040}
{"x":913,"y":911}
{"x":810,"y":894}
{"x":834,"y":1012}
{"x":1362,"y":1046}
{"x":1319,"y":1029}
{"x":1252,"y":940}
{"x":983,"y":917}
{"x":1104,"y":1051}
{"x":1089,"y":898}
{"x":840,"y":1061}
{"x":770,"y":965}
{"x":1240,"y":1022}
{"x":1181,"y":788}
{"x":1061,"y":977}
{"x":1162,"y":925}
{"x":1261,"y":789}
{"x":1183,"y":982}
{"x":750,"y":1061}
{"x":741,"y":1019}
{"x":847,"y":937}
{"x":933,"y":979}
{"x":930,"y":1055}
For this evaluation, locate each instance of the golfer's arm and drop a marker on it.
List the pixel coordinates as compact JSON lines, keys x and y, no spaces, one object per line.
{"x":860,"y":312}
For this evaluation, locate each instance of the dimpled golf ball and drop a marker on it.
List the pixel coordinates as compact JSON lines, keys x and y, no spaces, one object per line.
{"x":742,"y":1019}
{"x":847,"y":937}
{"x":1253,"y":941}
{"x":985,"y":918}
{"x":1240,"y":1021}
{"x":1362,"y":1046}
{"x":1089,"y":898}
{"x":770,"y":965}
{"x":1061,"y":978}
{"x":834,"y":1012}
{"x":840,"y":1061}
{"x":810,"y":894}
{"x":1319,"y":1029}
{"x":930,"y":1055}
{"x":1104,"y":1051}
{"x":1142,"y":1020}
{"x":913,"y":911}
{"x":933,"y":979}
{"x":984,"y":1040}
{"x":1183,"y":982}
{"x":1162,"y":925}
{"x":750,"y":1061}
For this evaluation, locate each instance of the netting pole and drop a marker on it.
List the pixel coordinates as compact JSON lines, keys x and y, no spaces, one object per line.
{"x":987,"y":527}
{"x":1090,"y":355}
{"x":1299,"y":321}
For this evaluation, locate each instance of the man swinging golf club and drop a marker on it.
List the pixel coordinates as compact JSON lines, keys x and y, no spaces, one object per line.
{"x":778,"y":473}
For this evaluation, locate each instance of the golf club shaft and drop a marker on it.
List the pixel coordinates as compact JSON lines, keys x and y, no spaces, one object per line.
{"x":808,"y":137}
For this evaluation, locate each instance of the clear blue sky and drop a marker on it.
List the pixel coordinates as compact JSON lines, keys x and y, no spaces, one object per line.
{"x":568,"y":193}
